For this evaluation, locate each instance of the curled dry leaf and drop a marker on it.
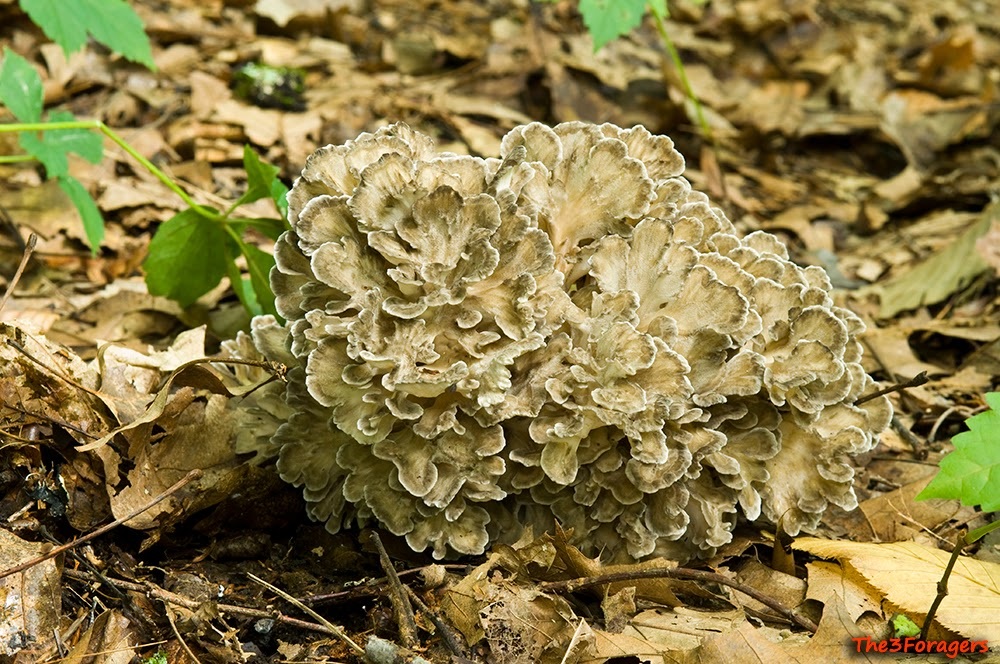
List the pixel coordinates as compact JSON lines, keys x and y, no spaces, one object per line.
{"x":567,"y":332}
{"x":31,"y":599}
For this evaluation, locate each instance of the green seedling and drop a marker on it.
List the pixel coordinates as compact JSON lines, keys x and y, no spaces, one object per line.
{"x":902,"y":626}
{"x":607,"y":20}
{"x":191,"y":252}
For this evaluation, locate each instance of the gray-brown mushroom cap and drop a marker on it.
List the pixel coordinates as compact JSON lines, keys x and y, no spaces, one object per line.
{"x":567,"y":332}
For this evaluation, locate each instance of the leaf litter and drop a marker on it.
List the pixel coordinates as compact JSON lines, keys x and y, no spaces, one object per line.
{"x":863,"y":135}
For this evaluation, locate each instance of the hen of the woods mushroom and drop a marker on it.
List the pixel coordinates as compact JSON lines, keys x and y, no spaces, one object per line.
{"x":568,"y":332}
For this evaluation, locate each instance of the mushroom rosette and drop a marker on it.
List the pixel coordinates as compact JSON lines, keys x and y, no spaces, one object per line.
{"x":568,"y":332}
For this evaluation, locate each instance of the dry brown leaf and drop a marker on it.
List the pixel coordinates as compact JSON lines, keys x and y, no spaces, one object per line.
{"x":520,"y":623}
{"x":659,"y":636}
{"x":129,"y":193}
{"x":790,"y":591}
{"x":922,"y":124}
{"x":45,"y":209}
{"x":207,"y":92}
{"x":283,"y":12}
{"x":941,"y":275}
{"x":618,"y":609}
{"x":908,"y":574}
{"x":829,"y":580}
{"x":109,"y":640}
{"x":524,"y":626}
{"x":832,"y":642}
{"x":744,"y":645}
{"x":43,"y":382}
{"x":262,"y":126}
{"x":30,"y":600}
{"x":198,"y":438}
{"x":461,"y":602}
{"x":896,"y":516}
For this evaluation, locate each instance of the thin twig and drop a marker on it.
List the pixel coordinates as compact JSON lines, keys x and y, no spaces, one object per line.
{"x":942,"y":585}
{"x":371,"y":588}
{"x":29,"y":247}
{"x":93,"y":656}
{"x":964,"y":411}
{"x":447,"y":632}
{"x":919,"y":450}
{"x":680,"y":573}
{"x":177,"y":633}
{"x":400,"y":603}
{"x":190,"y":477}
{"x":21,"y":349}
{"x":155,"y":592}
{"x":916,"y":381}
{"x":336,"y":631}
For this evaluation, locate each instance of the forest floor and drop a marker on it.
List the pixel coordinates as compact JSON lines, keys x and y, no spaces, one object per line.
{"x":865,"y":135}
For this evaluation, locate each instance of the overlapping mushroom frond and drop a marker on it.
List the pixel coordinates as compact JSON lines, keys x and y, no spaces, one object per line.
{"x":567,"y":332}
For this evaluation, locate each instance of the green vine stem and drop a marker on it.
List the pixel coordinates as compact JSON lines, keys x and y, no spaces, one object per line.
{"x":668,"y":43}
{"x":118,"y":140}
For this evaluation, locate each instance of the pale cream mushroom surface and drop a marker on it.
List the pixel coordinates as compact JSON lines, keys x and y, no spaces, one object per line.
{"x":565,"y":333}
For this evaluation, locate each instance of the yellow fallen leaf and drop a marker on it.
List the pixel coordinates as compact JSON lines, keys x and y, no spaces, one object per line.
{"x":908,"y":574}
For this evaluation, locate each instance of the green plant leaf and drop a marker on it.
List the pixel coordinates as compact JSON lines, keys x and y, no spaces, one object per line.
{"x":20,"y":87}
{"x":187,"y":257}
{"x":971,"y":472}
{"x":244,"y":289}
{"x":607,"y":20}
{"x":93,"y":222}
{"x":270,"y":227}
{"x":51,"y":147}
{"x":262,"y":180}
{"x":903,"y":626}
{"x":260,"y":177}
{"x":111,"y":22}
{"x":259,"y":264}
{"x":279,"y":194}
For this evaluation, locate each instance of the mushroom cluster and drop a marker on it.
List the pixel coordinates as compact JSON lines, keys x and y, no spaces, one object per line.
{"x":568,"y":332}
